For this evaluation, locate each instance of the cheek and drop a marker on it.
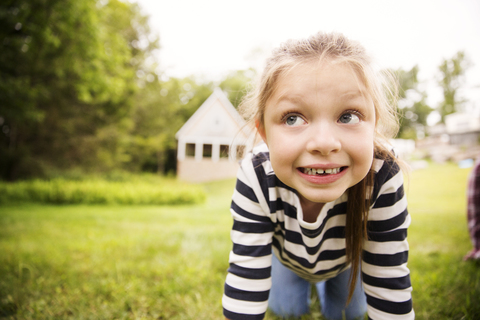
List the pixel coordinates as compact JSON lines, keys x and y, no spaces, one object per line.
{"x":283,"y":157}
{"x":362,"y":153}
{"x":279,"y":155}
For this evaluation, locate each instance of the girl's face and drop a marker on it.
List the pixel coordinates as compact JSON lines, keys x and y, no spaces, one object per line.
{"x":319,"y":126}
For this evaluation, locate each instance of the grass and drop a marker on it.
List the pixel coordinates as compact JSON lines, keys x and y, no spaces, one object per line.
{"x":115,"y":262}
{"x":169,"y":262}
{"x":445,"y":287}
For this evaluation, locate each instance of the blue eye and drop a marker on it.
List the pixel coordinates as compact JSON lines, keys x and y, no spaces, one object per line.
{"x":349,"y":117}
{"x":294,"y":121}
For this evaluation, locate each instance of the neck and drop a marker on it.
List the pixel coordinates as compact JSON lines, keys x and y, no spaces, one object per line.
{"x":310,"y":209}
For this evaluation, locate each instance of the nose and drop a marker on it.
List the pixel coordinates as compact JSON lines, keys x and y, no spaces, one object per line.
{"x":323,"y":139}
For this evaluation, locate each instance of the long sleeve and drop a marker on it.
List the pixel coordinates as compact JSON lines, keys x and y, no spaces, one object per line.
{"x":385,"y":275}
{"x":248,"y":280}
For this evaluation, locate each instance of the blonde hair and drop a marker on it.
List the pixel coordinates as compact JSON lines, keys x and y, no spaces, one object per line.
{"x":380,"y":86}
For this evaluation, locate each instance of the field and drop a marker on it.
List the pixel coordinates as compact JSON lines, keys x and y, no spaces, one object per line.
{"x":169,"y":262}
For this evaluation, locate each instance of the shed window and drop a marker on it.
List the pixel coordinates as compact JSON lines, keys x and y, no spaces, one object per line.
{"x":240,"y":151}
{"x":224,"y":149}
{"x":190,"y":150}
{"x":207,"y":150}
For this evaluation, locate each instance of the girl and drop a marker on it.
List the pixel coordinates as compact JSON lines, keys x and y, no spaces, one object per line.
{"x":323,"y":193}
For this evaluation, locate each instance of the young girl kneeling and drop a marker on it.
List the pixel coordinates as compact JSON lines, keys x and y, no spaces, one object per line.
{"x":322,"y":200}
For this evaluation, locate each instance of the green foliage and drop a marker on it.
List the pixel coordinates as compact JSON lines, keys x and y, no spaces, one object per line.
{"x":68,"y":73}
{"x":412,"y":105}
{"x":452,"y":78}
{"x":80,"y":89}
{"x":236,"y":84}
{"x":162,"y":107}
{"x":159,"y":191}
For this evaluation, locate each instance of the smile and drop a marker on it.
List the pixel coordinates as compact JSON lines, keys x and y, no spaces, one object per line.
{"x":313,"y":171}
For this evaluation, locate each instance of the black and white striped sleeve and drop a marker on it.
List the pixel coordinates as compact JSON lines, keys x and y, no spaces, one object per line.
{"x":248,"y":280}
{"x":386,"y":278}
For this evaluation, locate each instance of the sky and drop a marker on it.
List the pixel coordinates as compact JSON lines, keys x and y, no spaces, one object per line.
{"x":211,"y":38}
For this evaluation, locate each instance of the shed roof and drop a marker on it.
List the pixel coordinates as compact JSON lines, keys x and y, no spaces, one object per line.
{"x":216,"y":117}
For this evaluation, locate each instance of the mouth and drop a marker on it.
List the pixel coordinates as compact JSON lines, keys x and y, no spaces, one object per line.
{"x":321,"y":172}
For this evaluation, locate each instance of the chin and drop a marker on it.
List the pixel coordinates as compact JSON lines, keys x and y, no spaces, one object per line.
{"x":323,"y":198}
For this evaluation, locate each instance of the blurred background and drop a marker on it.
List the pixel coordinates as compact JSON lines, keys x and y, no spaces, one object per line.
{"x":97,"y":86}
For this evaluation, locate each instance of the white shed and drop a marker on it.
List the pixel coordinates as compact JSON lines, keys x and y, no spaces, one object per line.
{"x":463,"y":128}
{"x":206,"y":139}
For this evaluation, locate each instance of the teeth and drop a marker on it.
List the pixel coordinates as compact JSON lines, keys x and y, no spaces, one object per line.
{"x":312,"y":171}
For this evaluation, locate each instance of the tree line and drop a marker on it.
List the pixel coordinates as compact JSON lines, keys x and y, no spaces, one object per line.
{"x":81,"y":91}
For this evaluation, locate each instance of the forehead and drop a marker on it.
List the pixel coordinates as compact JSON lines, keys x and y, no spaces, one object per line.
{"x":321,"y":76}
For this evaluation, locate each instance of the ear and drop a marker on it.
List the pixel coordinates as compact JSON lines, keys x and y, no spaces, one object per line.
{"x":261,"y":130}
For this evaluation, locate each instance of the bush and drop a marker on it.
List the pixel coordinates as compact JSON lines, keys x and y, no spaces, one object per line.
{"x":99,"y":191}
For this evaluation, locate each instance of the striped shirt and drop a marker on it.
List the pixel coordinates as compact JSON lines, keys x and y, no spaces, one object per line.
{"x":268,"y":217}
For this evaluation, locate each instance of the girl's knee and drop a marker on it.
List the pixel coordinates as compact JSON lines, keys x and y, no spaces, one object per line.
{"x":333,"y":298}
{"x":289,"y":294}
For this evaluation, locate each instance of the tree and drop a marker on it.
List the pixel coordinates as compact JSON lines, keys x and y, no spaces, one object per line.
{"x":69,"y":70}
{"x":452,"y":78}
{"x":411,"y":104}
{"x":236,"y":84}
{"x":161,"y":109}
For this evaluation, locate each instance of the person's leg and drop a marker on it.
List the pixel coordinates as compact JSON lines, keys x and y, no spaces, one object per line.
{"x":333,"y":295}
{"x":289,"y":295}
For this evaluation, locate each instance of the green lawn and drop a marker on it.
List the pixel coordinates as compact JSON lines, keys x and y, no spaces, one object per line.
{"x":115,"y":262}
{"x":169,"y":262}
{"x":445,"y":287}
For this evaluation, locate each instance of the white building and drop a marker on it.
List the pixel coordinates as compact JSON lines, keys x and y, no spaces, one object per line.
{"x":206,"y":140}
{"x":456,"y":140}
{"x":463,"y":128}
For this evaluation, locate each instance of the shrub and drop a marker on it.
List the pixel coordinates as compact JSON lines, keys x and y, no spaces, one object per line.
{"x":98,"y":191}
